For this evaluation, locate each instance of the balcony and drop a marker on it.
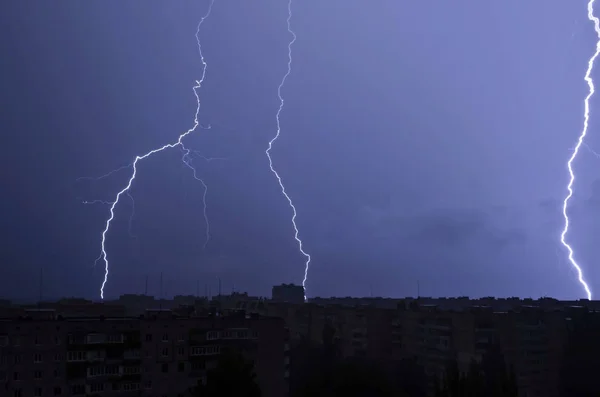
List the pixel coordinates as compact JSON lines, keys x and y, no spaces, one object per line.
{"x":205,"y":350}
{"x":93,"y":339}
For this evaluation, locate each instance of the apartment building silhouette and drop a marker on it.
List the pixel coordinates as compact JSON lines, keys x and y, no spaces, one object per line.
{"x":157,"y":354}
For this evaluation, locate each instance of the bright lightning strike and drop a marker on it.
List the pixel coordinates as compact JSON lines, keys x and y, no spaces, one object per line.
{"x":179,"y":143}
{"x":586,"y":118}
{"x":289,"y":70}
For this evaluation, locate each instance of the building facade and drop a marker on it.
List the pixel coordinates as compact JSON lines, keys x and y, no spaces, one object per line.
{"x":158,"y":354}
{"x":289,"y":293}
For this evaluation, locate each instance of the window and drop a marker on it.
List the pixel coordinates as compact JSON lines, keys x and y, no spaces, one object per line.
{"x":131,"y":386}
{"x":148,"y":337}
{"x":76,"y":356}
{"x":78,"y":390}
{"x":16,"y":376}
{"x":132,"y":370}
{"x":57,"y":391}
{"x":181,"y":351}
{"x":95,"y":338}
{"x":165,"y":368}
{"x":37,"y":358}
{"x":165,"y":352}
{"x":115,"y":338}
{"x":56,"y":340}
{"x":95,"y":355}
{"x":96,"y":371}
{"x":37,"y":392}
{"x":198,"y":365}
{"x":243,"y":333}
{"x":18,"y":393}
{"x":58,"y":357}
{"x":96,"y":387}
{"x":181,"y":338}
{"x":37,"y":374}
{"x":17,"y":359}
{"x":181,"y":367}
{"x":212,"y":335}
{"x":212,"y":364}
{"x":56,"y":373}
{"x":165,"y":337}
{"x":37,"y":341}
{"x":17,"y":341}
{"x":4,"y":340}
{"x":131,"y":354}
{"x":148,"y":384}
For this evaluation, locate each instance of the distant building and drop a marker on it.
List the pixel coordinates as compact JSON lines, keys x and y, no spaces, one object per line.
{"x":289,"y":293}
{"x":531,"y":334}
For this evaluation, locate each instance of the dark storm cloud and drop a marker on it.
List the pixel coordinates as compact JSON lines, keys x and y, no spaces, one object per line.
{"x":448,"y":227}
{"x":456,"y":227}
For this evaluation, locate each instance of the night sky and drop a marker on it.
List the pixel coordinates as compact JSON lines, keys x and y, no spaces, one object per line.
{"x":422,"y":143}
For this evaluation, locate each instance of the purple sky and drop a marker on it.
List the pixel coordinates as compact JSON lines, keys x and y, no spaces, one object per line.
{"x":421,"y":142}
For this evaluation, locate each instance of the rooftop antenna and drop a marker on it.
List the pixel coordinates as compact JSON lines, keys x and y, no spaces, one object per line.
{"x":41,"y":286}
{"x":161,"y":289}
{"x":219,"y":287}
{"x":418,"y":289}
{"x":146,"y":286}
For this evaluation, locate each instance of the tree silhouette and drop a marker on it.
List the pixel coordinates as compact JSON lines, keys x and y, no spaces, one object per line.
{"x":490,"y":378}
{"x":321,"y":371}
{"x":581,"y":357}
{"x":233,"y":376}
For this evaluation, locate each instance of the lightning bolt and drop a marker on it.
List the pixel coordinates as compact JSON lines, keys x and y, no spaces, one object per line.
{"x":179,"y":143}
{"x":105,"y":175}
{"x":586,"y":118}
{"x":131,"y":215}
{"x":278,"y":133}
{"x":592,"y":151}
{"x":188,"y":162}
